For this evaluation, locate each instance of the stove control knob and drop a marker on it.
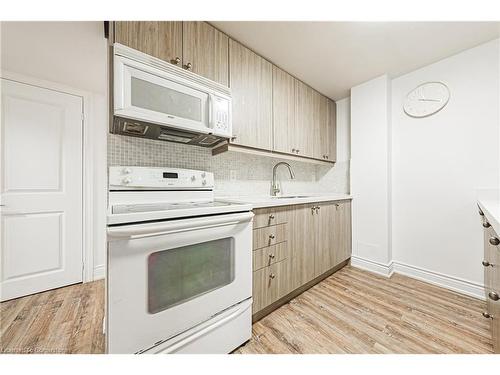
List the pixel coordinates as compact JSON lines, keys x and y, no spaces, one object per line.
{"x":127,"y":170}
{"x":203,"y":174}
{"x":193,"y":178}
{"x":127,"y":180}
{"x":204,"y":182}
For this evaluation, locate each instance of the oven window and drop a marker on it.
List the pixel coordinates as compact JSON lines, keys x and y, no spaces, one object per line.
{"x":162,"y":99}
{"x":178,"y":275}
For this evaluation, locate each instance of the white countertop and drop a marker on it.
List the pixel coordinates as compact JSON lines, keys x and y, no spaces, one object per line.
{"x":289,"y":199}
{"x":490,"y":205}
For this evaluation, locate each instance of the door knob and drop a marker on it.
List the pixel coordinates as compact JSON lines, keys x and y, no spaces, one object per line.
{"x":487,"y":315}
{"x":494,"y":241}
{"x":493,"y":296}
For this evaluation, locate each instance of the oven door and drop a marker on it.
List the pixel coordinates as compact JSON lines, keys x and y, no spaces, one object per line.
{"x":167,"y":277}
{"x":144,"y":93}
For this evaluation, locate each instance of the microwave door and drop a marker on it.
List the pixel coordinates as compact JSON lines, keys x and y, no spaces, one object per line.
{"x":148,"y":97}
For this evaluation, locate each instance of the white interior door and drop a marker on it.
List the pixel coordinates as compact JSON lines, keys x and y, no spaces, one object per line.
{"x":41,"y":189}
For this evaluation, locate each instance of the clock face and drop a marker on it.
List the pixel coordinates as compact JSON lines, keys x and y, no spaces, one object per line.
{"x":426,"y":99}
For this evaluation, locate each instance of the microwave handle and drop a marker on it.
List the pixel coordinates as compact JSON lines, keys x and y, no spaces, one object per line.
{"x":210,"y":111}
{"x":175,"y":226}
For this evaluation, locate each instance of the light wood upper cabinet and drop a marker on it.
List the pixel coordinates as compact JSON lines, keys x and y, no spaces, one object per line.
{"x":251,"y":89}
{"x":206,"y":50}
{"x":161,"y":39}
{"x":305,"y":130}
{"x":284,"y":127}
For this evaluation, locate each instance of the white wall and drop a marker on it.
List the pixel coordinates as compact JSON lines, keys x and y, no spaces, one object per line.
{"x":74,"y":55}
{"x":440,"y":161}
{"x":370,"y":173}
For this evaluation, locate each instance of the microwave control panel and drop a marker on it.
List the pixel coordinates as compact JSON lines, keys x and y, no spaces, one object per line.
{"x":221,"y":117}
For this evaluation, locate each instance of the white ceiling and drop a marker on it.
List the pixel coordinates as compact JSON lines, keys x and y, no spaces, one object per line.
{"x":332,"y":57}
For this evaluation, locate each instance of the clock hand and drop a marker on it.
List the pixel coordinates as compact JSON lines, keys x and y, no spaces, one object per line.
{"x":429,"y":100}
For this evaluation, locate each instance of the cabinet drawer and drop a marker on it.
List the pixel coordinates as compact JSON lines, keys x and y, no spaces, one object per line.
{"x":269,"y":255}
{"x":265,"y":217}
{"x":268,"y":236}
{"x":270,"y":284}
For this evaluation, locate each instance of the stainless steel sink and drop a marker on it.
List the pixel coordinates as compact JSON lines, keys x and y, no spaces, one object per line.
{"x":291,"y":196}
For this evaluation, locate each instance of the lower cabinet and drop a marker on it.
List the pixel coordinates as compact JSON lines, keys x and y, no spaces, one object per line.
{"x":491,"y":264}
{"x":294,"y":245}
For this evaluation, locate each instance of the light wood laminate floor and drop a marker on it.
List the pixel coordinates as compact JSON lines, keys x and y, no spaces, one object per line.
{"x":352,"y":311}
{"x":64,"y":320}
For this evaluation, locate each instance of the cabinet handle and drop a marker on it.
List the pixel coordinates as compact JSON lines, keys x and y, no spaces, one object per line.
{"x":293,"y":150}
{"x":233,"y":138}
{"x":271,"y":217}
{"x":271,"y":256}
{"x":272,"y":276}
{"x":297,"y":151}
{"x":486,"y":224}
{"x":480,"y":211}
{"x":176,"y":61}
{"x":486,"y":263}
{"x":326,"y":156}
{"x":188,"y":66}
{"x":493,"y":296}
{"x":271,"y":236}
{"x":494,"y":241}
{"x":487,"y":315}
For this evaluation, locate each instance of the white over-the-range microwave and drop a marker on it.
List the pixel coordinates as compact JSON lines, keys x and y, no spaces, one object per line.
{"x":154,"y":99}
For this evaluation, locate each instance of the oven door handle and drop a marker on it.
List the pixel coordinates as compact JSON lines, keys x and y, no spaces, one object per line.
{"x":175,"y":226}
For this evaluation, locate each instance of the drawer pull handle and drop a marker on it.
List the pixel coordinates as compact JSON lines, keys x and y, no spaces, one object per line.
{"x":271,"y":236}
{"x":494,"y":241}
{"x":272,"y":276}
{"x":486,"y":263}
{"x":487,"y":315}
{"x":486,"y":224}
{"x":480,"y":211}
{"x":493,"y":296}
{"x":271,"y":217}
{"x":272,"y":256}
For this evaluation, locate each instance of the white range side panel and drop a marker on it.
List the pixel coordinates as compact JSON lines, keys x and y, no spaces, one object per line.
{"x":440,"y":162}
{"x":370,"y":173}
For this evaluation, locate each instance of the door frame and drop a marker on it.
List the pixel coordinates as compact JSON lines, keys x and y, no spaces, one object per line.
{"x":93,"y":235}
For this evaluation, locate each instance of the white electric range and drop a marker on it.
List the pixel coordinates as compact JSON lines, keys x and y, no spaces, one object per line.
{"x":179,"y":275}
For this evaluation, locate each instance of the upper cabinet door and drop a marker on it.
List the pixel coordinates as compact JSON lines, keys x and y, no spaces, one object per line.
{"x":331,"y":146}
{"x":205,"y":51}
{"x":251,"y":82}
{"x":284,"y":111}
{"x":327,"y":121}
{"x":159,"y":39}
{"x":305,"y":117}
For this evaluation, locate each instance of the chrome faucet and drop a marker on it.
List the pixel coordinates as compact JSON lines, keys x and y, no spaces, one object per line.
{"x":274,"y":187}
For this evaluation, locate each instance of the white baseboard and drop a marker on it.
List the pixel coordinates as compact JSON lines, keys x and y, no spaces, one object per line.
{"x":99,"y":272}
{"x":372,"y":266}
{"x":456,"y":284}
{"x":449,"y":282}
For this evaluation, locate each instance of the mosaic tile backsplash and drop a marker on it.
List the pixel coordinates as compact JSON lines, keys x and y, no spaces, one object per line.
{"x":235,"y":173}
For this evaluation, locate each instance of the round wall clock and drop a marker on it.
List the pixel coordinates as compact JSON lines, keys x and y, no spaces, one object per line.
{"x":426,"y":99}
